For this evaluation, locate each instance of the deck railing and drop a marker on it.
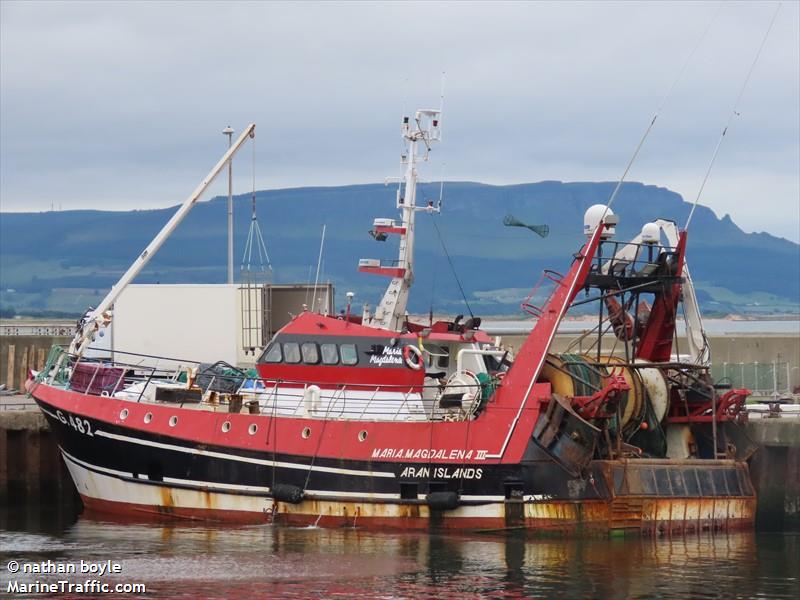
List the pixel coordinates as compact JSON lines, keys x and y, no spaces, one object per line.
{"x":356,"y":401}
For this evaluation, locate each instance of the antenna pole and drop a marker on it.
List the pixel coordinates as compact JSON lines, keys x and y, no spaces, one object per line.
{"x":425,"y":128}
{"x":319,"y":262}
{"x":441,"y":105}
{"x":441,"y":187}
{"x":229,"y":132}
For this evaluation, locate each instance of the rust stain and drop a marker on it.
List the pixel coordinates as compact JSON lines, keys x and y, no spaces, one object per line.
{"x":638,"y":515}
{"x":167,"y":503}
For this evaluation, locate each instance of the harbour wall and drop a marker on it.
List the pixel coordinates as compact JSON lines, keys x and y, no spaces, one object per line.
{"x":31,"y":467}
{"x":775,"y":471}
{"x":727,"y":351}
{"x":18,"y":353}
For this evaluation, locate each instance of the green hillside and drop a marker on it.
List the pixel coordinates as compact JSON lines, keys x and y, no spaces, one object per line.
{"x":63,"y":261}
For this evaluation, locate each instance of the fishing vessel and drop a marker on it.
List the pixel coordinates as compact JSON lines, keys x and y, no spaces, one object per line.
{"x":375,"y":419}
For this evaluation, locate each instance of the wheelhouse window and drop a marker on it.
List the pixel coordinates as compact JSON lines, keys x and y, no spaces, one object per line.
{"x":349,"y":354}
{"x":330,"y":354}
{"x":273,"y":354}
{"x":310,"y":353}
{"x":438,"y":356}
{"x":291,"y":352}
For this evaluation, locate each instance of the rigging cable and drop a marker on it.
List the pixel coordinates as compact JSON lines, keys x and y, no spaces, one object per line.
{"x":254,"y":236}
{"x":659,"y":109}
{"x":441,"y":195}
{"x":452,"y":267}
{"x":734,"y":113}
{"x":319,"y":263}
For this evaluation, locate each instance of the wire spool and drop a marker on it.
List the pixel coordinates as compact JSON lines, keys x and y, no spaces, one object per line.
{"x":633,"y":405}
{"x":560,"y":380}
{"x":571,"y":375}
{"x":657,"y":390}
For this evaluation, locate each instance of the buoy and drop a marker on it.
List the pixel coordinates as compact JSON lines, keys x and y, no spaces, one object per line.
{"x":412,"y":357}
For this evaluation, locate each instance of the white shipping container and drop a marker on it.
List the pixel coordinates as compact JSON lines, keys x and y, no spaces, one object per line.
{"x":204,"y":322}
{"x":199,"y":322}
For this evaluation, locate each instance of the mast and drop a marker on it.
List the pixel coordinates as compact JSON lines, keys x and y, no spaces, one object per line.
{"x":391,"y":311}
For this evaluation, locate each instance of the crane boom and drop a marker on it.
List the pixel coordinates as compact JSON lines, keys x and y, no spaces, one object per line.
{"x":100,"y":317}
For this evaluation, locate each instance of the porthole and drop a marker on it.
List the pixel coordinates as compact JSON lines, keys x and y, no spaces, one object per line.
{"x":226,"y":427}
{"x":362,"y":435}
{"x":148,"y":417}
{"x":252,"y":429}
{"x":173,"y":420}
{"x":123,"y":414}
{"x":306,"y":433}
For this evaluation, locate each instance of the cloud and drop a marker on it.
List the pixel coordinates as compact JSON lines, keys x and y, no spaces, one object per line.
{"x":121,"y":105}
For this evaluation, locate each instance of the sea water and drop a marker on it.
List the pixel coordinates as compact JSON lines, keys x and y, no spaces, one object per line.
{"x":196,"y":560}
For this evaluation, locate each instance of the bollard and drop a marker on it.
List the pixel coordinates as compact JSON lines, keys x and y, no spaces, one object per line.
{"x":23,"y":370}
{"x":10,"y":368}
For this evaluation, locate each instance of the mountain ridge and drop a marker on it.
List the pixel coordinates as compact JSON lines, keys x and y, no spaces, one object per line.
{"x":89,"y":249}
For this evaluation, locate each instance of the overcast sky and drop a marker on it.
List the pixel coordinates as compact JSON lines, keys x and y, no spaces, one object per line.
{"x":121,"y":105}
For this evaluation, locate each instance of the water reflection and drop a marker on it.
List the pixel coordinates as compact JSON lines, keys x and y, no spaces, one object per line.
{"x":201,"y":561}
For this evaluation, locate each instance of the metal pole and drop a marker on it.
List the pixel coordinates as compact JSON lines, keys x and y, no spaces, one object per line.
{"x":755,"y":366}
{"x":741,"y":383}
{"x":775,"y":380}
{"x":229,"y":132}
{"x":714,"y":421}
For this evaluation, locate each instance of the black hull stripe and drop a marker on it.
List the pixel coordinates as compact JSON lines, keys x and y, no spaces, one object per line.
{"x":246,"y":459}
{"x":168,"y":482}
{"x":322,"y":495}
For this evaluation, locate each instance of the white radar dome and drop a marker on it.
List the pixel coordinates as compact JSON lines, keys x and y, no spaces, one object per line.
{"x":592,"y":217}
{"x":651,"y":233}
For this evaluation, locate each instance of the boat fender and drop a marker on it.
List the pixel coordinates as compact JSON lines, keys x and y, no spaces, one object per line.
{"x":442,"y":500}
{"x":311,"y":396}
{"x":285,"y":492}
{"x":412,"y":357}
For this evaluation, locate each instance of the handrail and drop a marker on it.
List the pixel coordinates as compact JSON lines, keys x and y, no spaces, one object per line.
{"x":170,"y":374}
{"x":382,"y":402}
{"x":94,"y":376}
{"x":146,"y":383}
{"x":368,"y":402}
{"x":402,"y":404}
{"x":465,"y":351}
{"x":527,"y":304}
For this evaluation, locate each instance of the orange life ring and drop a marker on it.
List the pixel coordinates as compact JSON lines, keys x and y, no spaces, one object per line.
{"x":412,"y":356}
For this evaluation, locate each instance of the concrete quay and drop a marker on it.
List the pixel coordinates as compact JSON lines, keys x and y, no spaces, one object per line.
{"x":31,"y":467}
{"x":775,"y":471}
